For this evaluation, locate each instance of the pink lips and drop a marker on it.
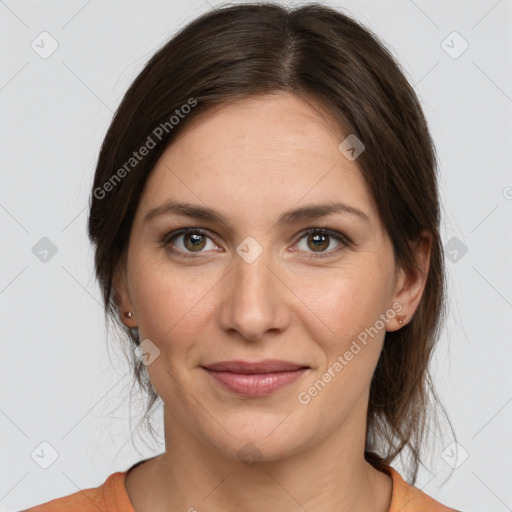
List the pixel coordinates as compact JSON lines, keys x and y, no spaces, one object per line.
{"x":255,"y":378}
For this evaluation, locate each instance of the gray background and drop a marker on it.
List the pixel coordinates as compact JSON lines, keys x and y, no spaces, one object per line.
{"x":61,"y":384}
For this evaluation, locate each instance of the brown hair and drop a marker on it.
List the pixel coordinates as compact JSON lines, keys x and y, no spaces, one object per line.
{"x":314,"y":52}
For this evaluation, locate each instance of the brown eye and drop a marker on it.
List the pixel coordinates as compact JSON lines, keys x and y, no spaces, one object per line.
{"x":193,"y":241}
{"x":187,"y":242}
{"x":190,"y":241}
{"x":319,"y":240}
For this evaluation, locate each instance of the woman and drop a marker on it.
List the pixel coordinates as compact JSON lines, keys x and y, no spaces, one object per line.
{"x":265,"y":216}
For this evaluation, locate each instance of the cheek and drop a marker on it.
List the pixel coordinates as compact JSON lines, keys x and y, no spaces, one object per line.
{"x":172,"y":307}
{"x":350,"y":340}
{"x":346,"y":300}
{"x":171,"y":304}
{"x":348,"y":303}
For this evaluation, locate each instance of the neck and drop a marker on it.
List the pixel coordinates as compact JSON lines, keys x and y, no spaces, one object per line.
{"x":327,"y":477}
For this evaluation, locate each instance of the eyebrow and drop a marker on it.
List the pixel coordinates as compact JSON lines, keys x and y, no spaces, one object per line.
{"x":313,"y":211}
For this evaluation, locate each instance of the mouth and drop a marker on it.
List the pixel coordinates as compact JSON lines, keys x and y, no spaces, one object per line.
{"x":255,"y":378}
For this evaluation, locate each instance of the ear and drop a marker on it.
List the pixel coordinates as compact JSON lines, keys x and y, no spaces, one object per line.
{"x":122,"y":296}
{"x":411,"y":283}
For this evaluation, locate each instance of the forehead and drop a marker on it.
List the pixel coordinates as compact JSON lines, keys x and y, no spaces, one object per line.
{"x":267,"y":153}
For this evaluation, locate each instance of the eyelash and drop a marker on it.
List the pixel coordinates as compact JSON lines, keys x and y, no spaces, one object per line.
{"x":345,"y":241}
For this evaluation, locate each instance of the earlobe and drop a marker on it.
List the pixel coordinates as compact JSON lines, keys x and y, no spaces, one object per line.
{"x":122,"y":301}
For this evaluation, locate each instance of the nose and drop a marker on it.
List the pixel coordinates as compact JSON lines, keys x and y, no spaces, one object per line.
{"x":254,"y":299}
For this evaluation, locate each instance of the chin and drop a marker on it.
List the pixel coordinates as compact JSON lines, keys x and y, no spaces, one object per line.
{"x":257,"y":438}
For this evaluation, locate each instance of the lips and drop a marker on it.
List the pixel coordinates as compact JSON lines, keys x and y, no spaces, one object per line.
{"x":267,"y":366}
{"x":255,"y":378}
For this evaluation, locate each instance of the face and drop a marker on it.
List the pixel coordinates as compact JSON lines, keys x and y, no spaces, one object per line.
{"x":258,"y":286}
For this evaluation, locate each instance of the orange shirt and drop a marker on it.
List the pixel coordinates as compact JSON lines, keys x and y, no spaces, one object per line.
{"x":111,"y":496}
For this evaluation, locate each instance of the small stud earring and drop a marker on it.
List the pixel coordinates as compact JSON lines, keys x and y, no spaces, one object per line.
{"x":129,"y":314}
{"x":400,"y":321}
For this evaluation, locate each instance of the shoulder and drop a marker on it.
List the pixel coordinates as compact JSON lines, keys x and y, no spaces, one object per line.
{"x":407,"y":498}
{"x":108,"y":497}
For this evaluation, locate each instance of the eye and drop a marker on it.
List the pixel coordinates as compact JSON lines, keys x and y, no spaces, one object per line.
{"x":318,"y":239}
{"x":194,"y":240}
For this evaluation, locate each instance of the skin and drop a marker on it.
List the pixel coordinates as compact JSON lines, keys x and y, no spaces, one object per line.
{"x":252,"y":160}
